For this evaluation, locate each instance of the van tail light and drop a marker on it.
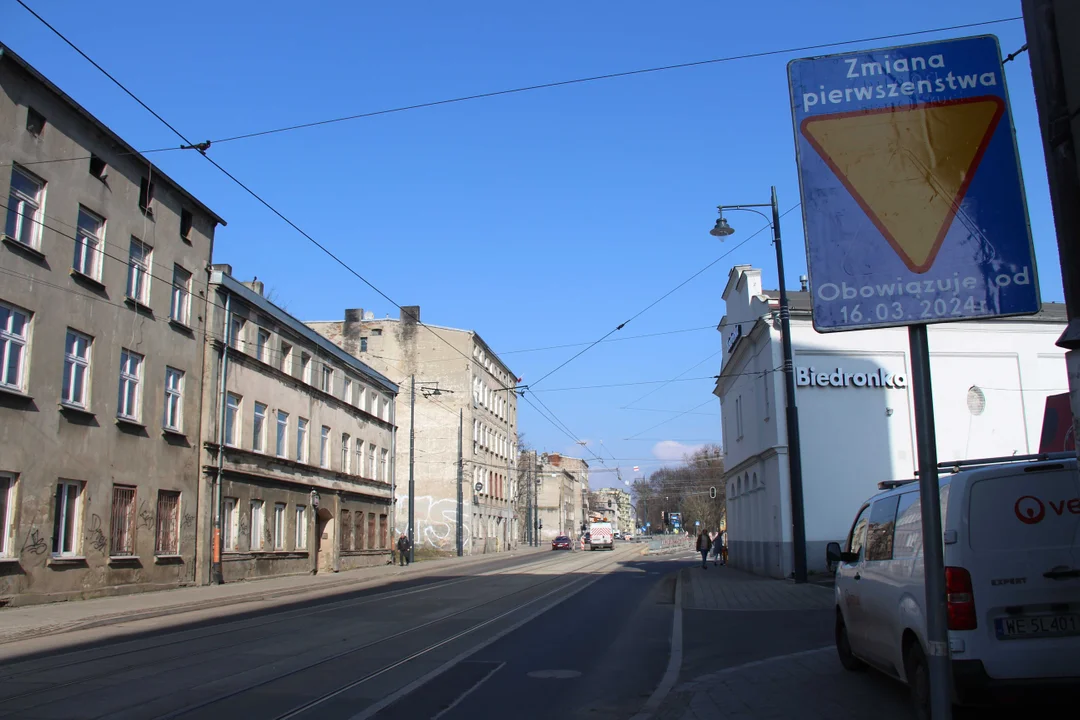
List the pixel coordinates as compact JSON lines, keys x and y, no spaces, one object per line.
{"x":960,"y":598}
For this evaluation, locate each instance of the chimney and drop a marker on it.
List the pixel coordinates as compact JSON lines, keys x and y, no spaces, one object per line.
{"x":805,"y":282}
{"x":554,"y":459}
{"x":255,"y":285}
{"x":410,"y":314}
{"x":354,"y":315}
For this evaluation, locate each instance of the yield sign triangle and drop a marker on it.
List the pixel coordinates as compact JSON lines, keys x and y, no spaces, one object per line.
{"x":908,"y":167}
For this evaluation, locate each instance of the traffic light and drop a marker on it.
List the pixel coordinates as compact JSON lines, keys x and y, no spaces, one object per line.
{"x":712,"y":492}
{"x":663,"y":517}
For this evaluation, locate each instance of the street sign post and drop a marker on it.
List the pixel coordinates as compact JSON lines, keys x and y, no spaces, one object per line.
{"x":914,"y":213}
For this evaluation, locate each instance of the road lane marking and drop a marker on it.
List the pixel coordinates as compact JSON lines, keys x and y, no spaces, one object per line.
{"x":468,"y":692}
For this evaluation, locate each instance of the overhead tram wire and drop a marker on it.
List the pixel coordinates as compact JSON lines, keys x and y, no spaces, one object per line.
{"x":658,"y":389}
{"x":597,"y":78}
{"x":630,"y":337}
{"x":202,"y":151}
{"x":665,"y":422}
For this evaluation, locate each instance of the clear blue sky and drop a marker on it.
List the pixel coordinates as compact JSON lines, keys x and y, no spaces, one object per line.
{"x":537,"y":219}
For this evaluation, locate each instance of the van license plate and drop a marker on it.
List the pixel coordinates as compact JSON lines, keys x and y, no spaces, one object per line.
{"x":1037,"y":626}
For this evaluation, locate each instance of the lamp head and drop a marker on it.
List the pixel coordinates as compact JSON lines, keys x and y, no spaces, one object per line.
{"x":721,"y":229}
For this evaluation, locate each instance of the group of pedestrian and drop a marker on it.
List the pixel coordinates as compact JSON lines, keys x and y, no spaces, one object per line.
{"x":712,"y":542}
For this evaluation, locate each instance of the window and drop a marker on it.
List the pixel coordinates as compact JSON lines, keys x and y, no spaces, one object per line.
{"x":66,"y":518}
{"x":371,"y":461}
{"x":174,"y":400}
{"x":97,"y":167}
{"x":138,"y":285}
{"x":738,"y":418}
{"x":257,"y":521}
{"x":305,"y":367}
{"x":301,"y":440}
{"x":324,"y":448}
{"x":122,"y":538}
{"x":232,"y":419}
{"x":35,"y":122}
{"x":345,"y":537}
{"x":230,"y":517}
{"x":146,"y":196}
{"x":236,"y":332}
{"x":167,"y":540}
{"x":358,"y":530}
{"x":327,"y":379}
{"x":279,"y":526}
{"x":347,"y":394}
{"x":286,"y":358}
{"x":89,"y":244}
{"x":282,"y":433}
{"x":879,"y":533}
{"x":358,"y":446}
{"x":180,"y":308}
{"x":369,"y":409}
{"x":907,"y":542}
{"x":377,"y":332}
{"x":185,"y":225}
{"x":857,"y":536}
{"x":384,"y":467}
{"x":262,"y":342}
{"x":129,"y":399}
{"x":301,"y":527}
{"x":765,"y":392}
{"x":258,"y":426}
{"x":24,"y":208}
{"x":13,"y":336}
{"x":76,"y":369}
{"x":383,"y":527}
{"x":7,"y":513}
{"x":345,"y":456}
{"x":363,"y":344}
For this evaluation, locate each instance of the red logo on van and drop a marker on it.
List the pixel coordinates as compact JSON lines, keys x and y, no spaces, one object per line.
{"x":1029,"y":509}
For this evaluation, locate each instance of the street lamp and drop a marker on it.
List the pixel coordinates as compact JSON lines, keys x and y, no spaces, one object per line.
{"x":798,"y":523}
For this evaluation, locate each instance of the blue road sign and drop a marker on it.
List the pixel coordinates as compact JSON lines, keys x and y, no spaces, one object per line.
{"x":913,"y":204}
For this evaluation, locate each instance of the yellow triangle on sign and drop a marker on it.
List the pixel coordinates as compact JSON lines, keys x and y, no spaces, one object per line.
{"x":908,"y":167}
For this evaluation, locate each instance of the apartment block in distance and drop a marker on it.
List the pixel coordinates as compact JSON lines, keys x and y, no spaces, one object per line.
{"x":458,"y":378}
{"x":103,"y":279}
{"x":300,"y":436}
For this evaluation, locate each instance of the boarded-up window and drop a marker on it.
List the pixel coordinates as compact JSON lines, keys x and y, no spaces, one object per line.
{"x":371,"y":527}
{"x":168,"y":523}
{"x":346,"y":530}
{"x":358,"y":536}
{"x":383,"y":529}
{"x":122,"y":541}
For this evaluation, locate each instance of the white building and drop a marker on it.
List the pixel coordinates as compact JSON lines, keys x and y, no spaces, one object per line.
{"x":856,"y":417}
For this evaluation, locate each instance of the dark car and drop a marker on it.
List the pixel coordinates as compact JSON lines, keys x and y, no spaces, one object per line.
{"x":560,"y":543}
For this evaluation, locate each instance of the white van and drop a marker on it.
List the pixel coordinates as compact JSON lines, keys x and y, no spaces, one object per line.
{"x":1012,"y":570}
{"x":601,"y":536}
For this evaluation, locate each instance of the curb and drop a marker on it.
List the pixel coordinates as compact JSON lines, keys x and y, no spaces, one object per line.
{"x":255,"y":596}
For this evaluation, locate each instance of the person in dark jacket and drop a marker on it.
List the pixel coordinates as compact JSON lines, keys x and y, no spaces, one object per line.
{"x":718,"y":548}
{"x":403,"y":546}
{"x":704,"y":544}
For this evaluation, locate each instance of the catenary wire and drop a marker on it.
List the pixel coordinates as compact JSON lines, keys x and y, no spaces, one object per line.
{"x":662,"y":386}
{"x":664,"y":422}
{"x":629,"y":337}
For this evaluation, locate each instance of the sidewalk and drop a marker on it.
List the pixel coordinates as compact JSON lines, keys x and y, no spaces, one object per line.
{"x":725,"y":588}
{"x":30,"y":621}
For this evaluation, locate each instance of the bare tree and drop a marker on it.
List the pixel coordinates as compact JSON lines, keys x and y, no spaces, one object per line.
{"x":686,"y":489}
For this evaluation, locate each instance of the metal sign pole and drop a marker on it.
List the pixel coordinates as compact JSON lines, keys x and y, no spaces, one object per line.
{"x":937,"y":635}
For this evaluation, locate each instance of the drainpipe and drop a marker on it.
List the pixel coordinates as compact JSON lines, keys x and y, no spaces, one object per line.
{"x":215,"y":559}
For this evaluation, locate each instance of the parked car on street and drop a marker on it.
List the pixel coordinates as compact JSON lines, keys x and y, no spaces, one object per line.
{"x":1011,"y":532}
{"x":561,"y":543}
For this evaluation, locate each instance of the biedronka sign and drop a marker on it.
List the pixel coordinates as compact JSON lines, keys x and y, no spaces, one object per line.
{"x":810,"y":377}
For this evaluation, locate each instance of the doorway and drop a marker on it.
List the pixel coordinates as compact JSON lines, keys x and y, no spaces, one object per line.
{"x":324,"y":540}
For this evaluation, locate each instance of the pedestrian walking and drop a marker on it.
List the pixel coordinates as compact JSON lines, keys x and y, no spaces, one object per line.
{"x":703,"y":546}
{"x":403,"y":546}
{"x":718,"y":548}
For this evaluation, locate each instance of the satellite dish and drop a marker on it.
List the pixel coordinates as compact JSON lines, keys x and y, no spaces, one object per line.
{"x":369,"y":315}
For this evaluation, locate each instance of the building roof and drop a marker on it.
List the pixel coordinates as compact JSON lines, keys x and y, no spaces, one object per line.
{"x":253,"y":298}
{"x":6,"y":52}
{"x":798,"y":300}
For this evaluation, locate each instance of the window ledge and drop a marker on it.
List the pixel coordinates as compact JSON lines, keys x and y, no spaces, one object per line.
{"x":138,"y":305}
{"x":75,"y":409}
{"x":130,"y":422}
{"x":14,"y":392}
{"x":121,"y":559}
{"x":168,"y":559}
{"x":8,"y":560}
{"x":85,"y":279}
{"x":67,"y":560}
{"x":181,"y":327}
{"x":22,"y":247}
{"x":173,"y":433}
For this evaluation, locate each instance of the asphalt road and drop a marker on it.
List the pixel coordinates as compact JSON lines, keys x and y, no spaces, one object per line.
{"x":539,"y":636}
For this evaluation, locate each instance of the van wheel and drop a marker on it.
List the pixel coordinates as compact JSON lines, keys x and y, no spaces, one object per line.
{"x":918,"y":678}
{"x":843,"y":647}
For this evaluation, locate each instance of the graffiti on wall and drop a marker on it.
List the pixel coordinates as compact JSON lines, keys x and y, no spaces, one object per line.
{"x":436,"y":521}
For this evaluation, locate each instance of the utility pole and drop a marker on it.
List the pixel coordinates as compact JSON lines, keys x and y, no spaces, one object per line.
{"x":412,"y":478}
{"x":1051,"y":25}
{"x":460,"y":479}
{"x":528,"y":507}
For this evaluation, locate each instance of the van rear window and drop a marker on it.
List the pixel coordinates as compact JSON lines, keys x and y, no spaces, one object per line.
{"x":1025,"y":511}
